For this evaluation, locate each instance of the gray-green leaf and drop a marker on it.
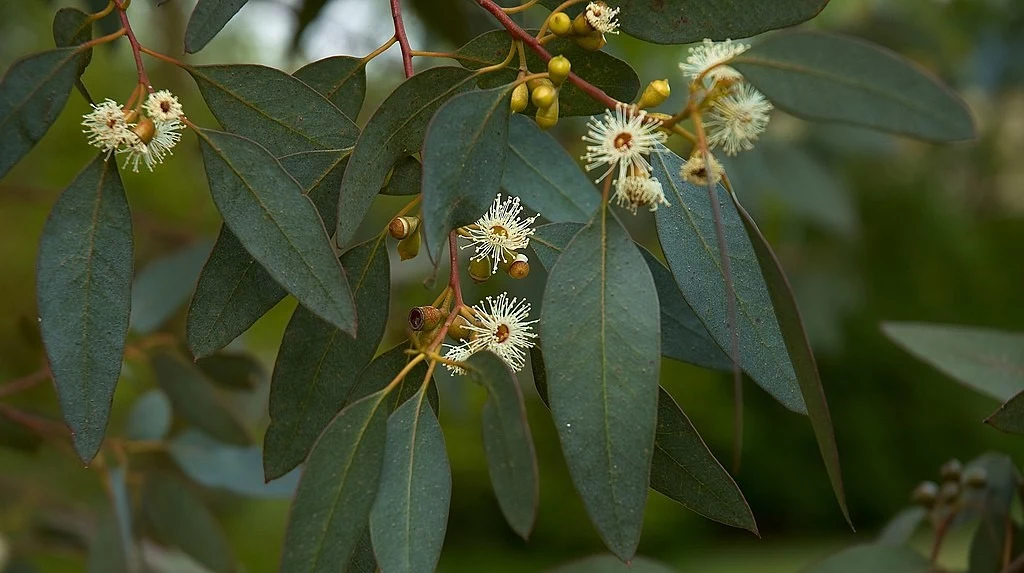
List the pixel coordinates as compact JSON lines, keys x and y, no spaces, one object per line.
{"x":208,"y":18}
{"x":237,"y":469}
{"x":181,"y":519}
{"x":72,"y":27}
{"x":193,"y":397}
{"x":340,"y":79}
{"x":164,"y":285}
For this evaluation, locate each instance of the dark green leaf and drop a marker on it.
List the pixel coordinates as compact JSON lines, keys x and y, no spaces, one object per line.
{"x":687,"y":233}
{"x":273,"y":109}
{"x":396,"y":130}
{"x":800,"y":354}
{"x":340,"y":79}
{"x":72,"y":27}
{"x":548,"y":241}
{"x":1010,"y":416}
{"x":902,"y":526}
{"x":685,"y":470}
{"x":992,"y":505}
{"x":208,"y":18}
{"x":363,"y":559}
{"x":828,"y":77}
{"x":508,"y":445}
{"x":150,"y":417}
{"x":32,"y":95}
{"x":989,"y":361}
{"x":179,"y":518}
{"x":232,"y":371}
{"x":410,"y":514}
{"x":612,"y":564}
{"x":83,"y":284}
{"x":876,"y":558}
{"x":109,"y":23}
{"x":164,"y":285}
{"x":265,"y":208}
{"x":540,"y":172}
{"x":406,"y":178}
{"x":463,"y":155}
{"x":383,"y":369}
{"x":318,"y":365}
{"x":338,"y":488}
{"x":234,"y":291}
{"x":610,"y":74}
{"x":601,"y":341}
{"x":194,"y":399}
{"x":218,"y":465}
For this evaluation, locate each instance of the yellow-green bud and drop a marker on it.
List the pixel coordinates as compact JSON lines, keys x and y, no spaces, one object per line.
{"x":480,"y":269}
{"x":593,"y":41}
{"x":520,"y":267}
{"x":558,"y":69}
{"x":459,"y":329}
{"x":520,"y":98}
{"x":654,"y":94}
{"x":547,"y":117}
{"x":402,"y":227}
{"x":580,"y":26}
{"x":426,"y":318}
{"x":543,"y":96}
{"x":560,"y":24}
{"x":409,"y":247}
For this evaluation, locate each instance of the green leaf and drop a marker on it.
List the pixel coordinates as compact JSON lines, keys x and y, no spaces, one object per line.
{"x":880,"y":558}
{"x":234,"y":291}
{"x":114,"y":550}
{"x":540,"y":172}
{"x":265,"y":208}
{"x":273,"y":109}
{"x":218,"y":465}
{"x":106,"y":554}
{"x":685,"y":470}
{"x":363,"y":559}
{"x":989,"y":361}
{"x":410,"y":514}
{"x":508,"y":445}
{"x":72,"y":27}
{"x":902,"y":526}
{"x":379,"y":373}
{"x":233,"y":371}
{"x":686,"y":230}
{"x":394,"y":131}
{"x":612,"y":564}
{"x":463,"y":154}
{"x":83,"y":285}
{"x":194,"y":399}
{"x":32,"y":95}
{"x":208,"y":18}
{"x":406,"y":178}
{"x":610,"y":74}
{"x":829,"y":77}
{"x":337,"y":489}
{"x":992,"y":506}
{"x":318,"y":365}
{"x":600,"y":336}
{"x":180,"y":518}
{"x":340,"y":79}
{"x":800,"y":354}
{"x":164,"y":285}
{"x":150,"y":417}
{"x":1010,"y":416}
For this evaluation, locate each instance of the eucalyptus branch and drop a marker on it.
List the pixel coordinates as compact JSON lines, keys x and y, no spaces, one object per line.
{"x":403,"y":40}
{"x":122,"y":10}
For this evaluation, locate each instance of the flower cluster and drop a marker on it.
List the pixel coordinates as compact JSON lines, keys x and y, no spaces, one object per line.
{"x":602,"y":18}
{"x":501,"y":327}
{"x":145,"y":136}
{"x":621,"y":142}
{"x":500,"y":233}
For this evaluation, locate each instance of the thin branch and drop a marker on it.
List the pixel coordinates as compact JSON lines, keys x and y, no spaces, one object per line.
{"x":25,"y":382}
{"x":403,"y":40}
{"x":122,"y":6}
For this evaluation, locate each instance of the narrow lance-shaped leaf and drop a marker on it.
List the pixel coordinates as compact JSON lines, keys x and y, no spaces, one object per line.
{"x":829,"y":77}
{"x":396,"y":130}
{"x":317,"y":364}
{"x":164,"y":285}
{"x":337,"y":489}
{"x":237,"y":469}
{"x":1010,"y":416}
{"x":72,"y":27}
{"x":265,"y":208}
{"x":508,"y":445}
{"x":234,"y":291}
{"x":601,"y":340}
{"x":194,"y":399}
{"x":463,"y":158}
{"x":340,"y":79}
{"x":32,"y":94}
{"x":800,"y":354}
{"x":208,"y":18}
{"x":83,"y":285}
{"x":410,"y":515}
{"x":687,"y":233}
{"x":181,"y":519}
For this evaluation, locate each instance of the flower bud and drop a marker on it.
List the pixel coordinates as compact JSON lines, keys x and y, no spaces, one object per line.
{"x":537,"y":82}
{"x":409,"y":247}
{"x":654,"y":94}
{"x":520,"y":267}
{"x":580,"y":26}
{"x":560,"y":24}
{"x":145,"y":130}
{"x":459,"y":329}
{"x":975,"y":477}
{"x":547,"y":117}
{"x":593,"y":41}
{"x":480,"y":269}
{"x":925,"y":493}
{"x":402,"y":227}
{"x":520,"y":98}
{"x":543,"y":96}
{"x":426,"y":318}
{"x":951,"y":470}
{"x":949,"y":492}
{"x":558,"y":70}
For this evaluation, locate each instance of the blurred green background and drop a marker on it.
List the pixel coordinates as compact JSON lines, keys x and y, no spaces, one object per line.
{"x":869,"y":227}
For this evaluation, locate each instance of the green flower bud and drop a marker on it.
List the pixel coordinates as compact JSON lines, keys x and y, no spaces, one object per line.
{"x":543,"y":96}
{"x":654,"y":94}
{"x":593,"y":41}
{"x":558,"y":69}
{"x":409,"y":247}
{"x":547,"y":117}
{"x":520,"y":98}
{"x":560,"y":24}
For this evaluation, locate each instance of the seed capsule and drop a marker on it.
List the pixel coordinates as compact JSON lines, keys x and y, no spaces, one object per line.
{"x":426,"y":318}
{"x":558,"y":69}
{"x":560,"y":24}
{"x":145,"y":130}
{"x":402,"y":227}
{"x":520,"y":267}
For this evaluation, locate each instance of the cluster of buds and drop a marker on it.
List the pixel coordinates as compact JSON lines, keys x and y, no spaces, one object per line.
{"x":947,"y":499}
{"x":407,"y":231}
{"x":542,"y":92}
{"x":589,"y":27}
{"x":144,"y":134}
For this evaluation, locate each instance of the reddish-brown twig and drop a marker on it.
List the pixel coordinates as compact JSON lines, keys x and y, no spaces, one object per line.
{"x":403,"y":40}
{"x":136,"y":47}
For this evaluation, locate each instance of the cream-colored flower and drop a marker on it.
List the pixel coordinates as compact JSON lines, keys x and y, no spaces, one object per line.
{"x":622,"y":141}
{"x":504,"y":329}
{"x":736,"y":120}
{"x":458,"y":353}
{"x":637,"y":191}
{"x":163,"y":106}
{"x":706,"y":60}
{"x":602,"y":18}
{"x":151,"y":141}
{"x":107,"y":127}
{"x":500,"y":232}
{"x":695,"y":171}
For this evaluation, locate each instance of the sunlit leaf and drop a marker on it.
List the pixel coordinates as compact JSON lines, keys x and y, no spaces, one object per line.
{"x":164,"y":285}
{"x":208,"y":18}
{"x":180,"y":518}
{"x":218,"y":465}
{"x":193,"y":398}
{"x":340,"y":79}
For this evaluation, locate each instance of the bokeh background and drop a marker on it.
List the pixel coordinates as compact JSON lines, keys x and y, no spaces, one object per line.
{"x":869,"y":227}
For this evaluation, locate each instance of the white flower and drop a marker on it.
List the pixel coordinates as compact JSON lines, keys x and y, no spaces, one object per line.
{"x":695,"y":172}
{"x":500,"y":232}
{"x":504,"y":329}
{"x":163,"y":106}
{"x":602,"y":18}
{"x":107,"y":127}
{"x":637,"y":191}
{"x":706,"y":58}
{"x":621,"y":142}
{"x":150,"y":145}
{"x":736,"y":120}
{"x":458,"y":353}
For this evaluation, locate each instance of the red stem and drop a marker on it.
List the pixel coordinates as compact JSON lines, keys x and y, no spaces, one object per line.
{"x":403,"y":40}
{"x":24,"y":383}
{"x":136,"y":47}
{"x":586,"y":87}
